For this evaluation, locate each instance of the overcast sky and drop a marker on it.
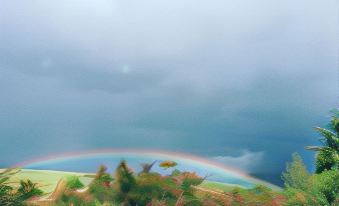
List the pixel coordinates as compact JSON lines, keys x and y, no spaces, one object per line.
{"x":242,"y":82}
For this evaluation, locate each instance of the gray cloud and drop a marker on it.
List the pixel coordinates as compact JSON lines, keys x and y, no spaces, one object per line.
{"x":207,"y":77}
{"x":248,"y":161}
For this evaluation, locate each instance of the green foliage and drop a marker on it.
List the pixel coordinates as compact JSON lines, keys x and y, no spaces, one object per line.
{"x":150,"y":186}
{"x":124,"y":183}
{"x":102,"y":175}
{"x":327,"y":159}
{"x":73,"y":182}
{"x":321,"y":188}
{"x":16,"y":197}
{"x":189,"y":180}
{"x":303,"y":189}
{"x":5,"y":190}
{"x":176,"y":172}
{"x":299,"y":185}
{"x":327,"y":183}
{"x":100,"y":187}
{"x":99,"y":191}
{"x":328,"y":154}
{"x":296,"y":175}
{"x":259,"y":195}
{"x":68,"y":199}
{"x":71,"y":199}
{"x":7,"y":198}
{"x":124,"y":178}
{"x":191,"y":200}
{"x":298,"y":197}
{"x":28,"y":189}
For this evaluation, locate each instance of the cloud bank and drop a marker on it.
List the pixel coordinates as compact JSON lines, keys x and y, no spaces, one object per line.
{"x":204,"y":77}
{"x":247,"y":161}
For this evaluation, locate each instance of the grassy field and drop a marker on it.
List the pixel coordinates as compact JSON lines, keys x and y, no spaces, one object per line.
{"x":46,"y":179}
{"x":218,"y":186}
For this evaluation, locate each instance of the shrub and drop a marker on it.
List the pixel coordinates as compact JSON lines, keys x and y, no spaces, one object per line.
{"x":100,"y":187}
{"x":259,"y":195}
{"x":7,"y":193}
{"x":328,"y":154}
{"x":73,"y":182}
{"x":149,"y":186}
{"x":327,"y":183}
{"x":327,"y":159}
{"x":27,"y":190}
{"x":124,"y":183}
{"x":175,"y":172}
{"x":297,"y":197}
{"x":303,"y":189}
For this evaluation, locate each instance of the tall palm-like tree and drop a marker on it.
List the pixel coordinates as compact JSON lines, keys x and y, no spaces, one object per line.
{"x":146,"y":167}
{"x":125,"y":182}
{"x":328,"y":153}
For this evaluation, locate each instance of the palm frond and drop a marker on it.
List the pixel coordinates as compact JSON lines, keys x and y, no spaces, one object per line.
{"x":314,"y":148}
{"x":330,"y":138}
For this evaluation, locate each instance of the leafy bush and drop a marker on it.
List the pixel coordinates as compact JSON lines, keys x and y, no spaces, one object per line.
{"x":327,"y":183}
{"x":73,"y":182}
{"x":124,"y":182}
{"x":10,"y":196}
{"x":259,"y":195}
{"x":7,"y":196}
{"x":27,"y":190}
{"x":176,"y":172}
{"x":304,"y":189}
{"x":74,"y":200}
{"x":328,"y":154}
{"x":150,"y":186}
{"x":100,"y":187}
{"x":327,"y":159}
{"x":297,"y":197}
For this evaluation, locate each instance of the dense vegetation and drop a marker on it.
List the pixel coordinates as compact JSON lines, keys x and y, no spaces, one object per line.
{"x":182,"y":188}
{"x":321,"y":188}
{"x":153,"y":189}
{"x":16,"y":196}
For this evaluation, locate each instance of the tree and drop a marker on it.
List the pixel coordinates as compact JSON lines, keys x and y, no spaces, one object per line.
{"x":100,"y":187}
{"x":328,"y":184}
{"x":326,"y":159}
{"x":150,"y":186}
{"x":124,"y":183}
{"x":300,"y":187}
{"x":146,"y":167}
{"x":296,"y":175}
{"x":328,"y":154}
{"x":102,"y":177}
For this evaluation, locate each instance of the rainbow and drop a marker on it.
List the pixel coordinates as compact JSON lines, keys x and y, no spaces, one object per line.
{"x":181,"y":158}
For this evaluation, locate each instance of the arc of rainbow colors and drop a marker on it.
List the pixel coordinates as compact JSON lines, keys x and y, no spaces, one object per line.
{"x":160,"y":154}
